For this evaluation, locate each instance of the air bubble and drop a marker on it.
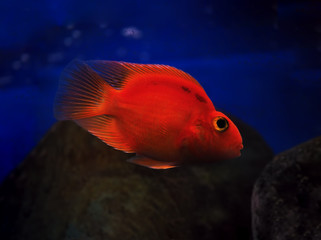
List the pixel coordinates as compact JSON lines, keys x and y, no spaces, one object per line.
{"x":16,"y":65}
{"x":132,"y":32}
{"x":103,"y":25}
{"x":76,"y":34}
{"x":24,"y":57}
{"x":5,"y":80}
{"x":68,"y":41}
{"x":55,"y":57}
{"x":70,"y":26}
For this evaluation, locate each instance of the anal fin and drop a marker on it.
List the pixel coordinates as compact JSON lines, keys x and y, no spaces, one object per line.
{"x":151,"y":163}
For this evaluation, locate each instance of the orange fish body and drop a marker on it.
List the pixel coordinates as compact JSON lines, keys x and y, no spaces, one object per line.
{"x":158,"y":112}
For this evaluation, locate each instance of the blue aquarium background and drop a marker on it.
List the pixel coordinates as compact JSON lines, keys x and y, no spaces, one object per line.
{"x":257,"y":60}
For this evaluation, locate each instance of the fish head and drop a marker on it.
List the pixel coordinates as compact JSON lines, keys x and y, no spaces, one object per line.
{"x":225,"y":140}
{"x":211,"y":138}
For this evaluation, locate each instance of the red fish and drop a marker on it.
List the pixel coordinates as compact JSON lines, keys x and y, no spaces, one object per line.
{"x":156,"y":111}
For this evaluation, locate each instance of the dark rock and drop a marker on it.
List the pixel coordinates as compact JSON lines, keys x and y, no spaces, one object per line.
{"x":74,"y":187}
{"x":286,"y":201}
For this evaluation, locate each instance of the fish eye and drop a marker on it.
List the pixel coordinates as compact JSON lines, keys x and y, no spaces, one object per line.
{"x":220,"y":124}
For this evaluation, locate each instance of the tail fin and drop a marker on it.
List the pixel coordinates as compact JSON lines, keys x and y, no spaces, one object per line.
{"x":82,"y":93}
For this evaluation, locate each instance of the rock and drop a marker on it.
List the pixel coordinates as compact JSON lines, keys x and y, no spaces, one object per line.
{"x":74,"y":187}
{"x":286,"y":201}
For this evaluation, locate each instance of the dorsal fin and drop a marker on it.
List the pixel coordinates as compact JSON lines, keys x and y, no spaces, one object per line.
{"x":118,"y":73}
{"x":82,"y":93}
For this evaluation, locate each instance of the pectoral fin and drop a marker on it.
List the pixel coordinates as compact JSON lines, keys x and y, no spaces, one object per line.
{"x":151,"y":163}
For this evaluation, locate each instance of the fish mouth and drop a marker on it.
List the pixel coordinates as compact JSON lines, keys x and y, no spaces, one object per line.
{"x":238,"y":150}
{"x":240,"y":147}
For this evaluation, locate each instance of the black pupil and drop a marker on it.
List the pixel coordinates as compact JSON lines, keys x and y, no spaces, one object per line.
{"x":221,"y":123}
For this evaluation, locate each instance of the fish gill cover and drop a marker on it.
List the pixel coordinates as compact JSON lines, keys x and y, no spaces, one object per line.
{"x":258,"y":61}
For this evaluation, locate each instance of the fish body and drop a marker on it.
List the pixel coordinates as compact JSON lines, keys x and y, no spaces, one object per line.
{"x":156,"y":111}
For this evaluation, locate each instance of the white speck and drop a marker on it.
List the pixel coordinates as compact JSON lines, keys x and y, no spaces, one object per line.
{"x":24,"y":57}
{"x":70,"y":26}
{"x":132,"y":32}
{"x":5,"y":80}
{"x":68,"y":41}
{"x":55,"y":57}
{"x":16,"y":65}
{"x":103,"y":25}
{"x":76,"y":34}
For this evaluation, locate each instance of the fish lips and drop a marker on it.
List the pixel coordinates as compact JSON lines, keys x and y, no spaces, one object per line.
{"x":239,"y":148}
{"x":235,"y":150}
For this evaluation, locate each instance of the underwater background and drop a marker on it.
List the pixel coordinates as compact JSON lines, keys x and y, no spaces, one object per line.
{"x":257,"y":60}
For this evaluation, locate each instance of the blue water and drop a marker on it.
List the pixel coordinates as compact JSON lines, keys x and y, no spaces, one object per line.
{"x":258,"y":61}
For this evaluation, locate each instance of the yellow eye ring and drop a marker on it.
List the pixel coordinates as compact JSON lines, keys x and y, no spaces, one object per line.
{"x":220,"y":124}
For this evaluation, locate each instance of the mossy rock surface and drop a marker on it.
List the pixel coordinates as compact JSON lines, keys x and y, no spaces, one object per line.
{"x":287,"y":196}
{"x":74,"y":187}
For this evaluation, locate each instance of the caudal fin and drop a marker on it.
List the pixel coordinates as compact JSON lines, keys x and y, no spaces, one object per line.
{"x":82,"y":93}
